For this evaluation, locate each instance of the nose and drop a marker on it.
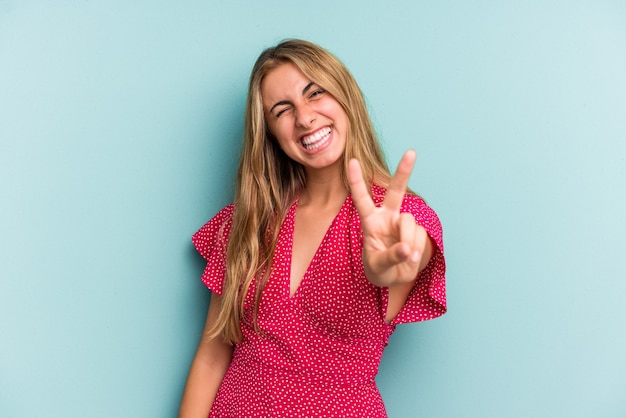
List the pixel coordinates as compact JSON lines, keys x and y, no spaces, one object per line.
{"x":305,"y":116}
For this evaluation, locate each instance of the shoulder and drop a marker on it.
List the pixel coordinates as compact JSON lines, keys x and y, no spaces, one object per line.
{"x":424,"y":215}
{"x":217,"y":229}
{"x":417,"y":206}
{"x":225,"y":214}
{"x":220,"y":219}
{"x":411,"y":203}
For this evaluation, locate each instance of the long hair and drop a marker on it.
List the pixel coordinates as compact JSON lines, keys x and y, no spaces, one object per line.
{"x":268,"y":181}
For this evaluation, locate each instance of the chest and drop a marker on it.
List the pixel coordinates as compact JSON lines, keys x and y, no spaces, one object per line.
{"x":309,"y":232}
{"x":332,"y":292}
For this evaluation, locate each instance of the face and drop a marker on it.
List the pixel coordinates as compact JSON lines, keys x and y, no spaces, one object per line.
{"x":308,"y":122}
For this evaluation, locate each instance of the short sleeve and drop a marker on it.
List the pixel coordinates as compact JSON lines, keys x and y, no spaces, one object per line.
{"x":211,"y":242}
{"x":427,"y":300}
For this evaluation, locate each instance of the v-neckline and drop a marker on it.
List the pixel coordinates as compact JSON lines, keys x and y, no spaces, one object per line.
{"x":291,"y":231}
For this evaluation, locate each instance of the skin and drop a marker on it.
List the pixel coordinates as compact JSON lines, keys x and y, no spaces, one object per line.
{"x":207,"y":370}
{"x":395,"y":248}
{"x":296,"y":108}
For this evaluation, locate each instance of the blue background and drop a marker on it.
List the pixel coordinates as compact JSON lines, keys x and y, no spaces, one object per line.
{"x":119,"y":135}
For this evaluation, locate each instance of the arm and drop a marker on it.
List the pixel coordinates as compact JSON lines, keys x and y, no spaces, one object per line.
{"x":207,"y":370}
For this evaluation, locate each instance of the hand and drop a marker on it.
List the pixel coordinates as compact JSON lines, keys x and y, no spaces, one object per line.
{"x":394,"y":244}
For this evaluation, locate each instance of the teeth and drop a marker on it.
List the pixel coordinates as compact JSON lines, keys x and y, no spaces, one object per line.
{"x":317,"y":139}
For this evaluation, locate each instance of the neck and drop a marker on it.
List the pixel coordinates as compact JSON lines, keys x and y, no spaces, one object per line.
{"x":323,"y":189}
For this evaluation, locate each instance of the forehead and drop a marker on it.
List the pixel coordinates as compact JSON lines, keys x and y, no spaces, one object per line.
{"x":283,"y":83}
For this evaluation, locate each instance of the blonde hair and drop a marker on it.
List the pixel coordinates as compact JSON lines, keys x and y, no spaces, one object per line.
{"x":268,"y":181}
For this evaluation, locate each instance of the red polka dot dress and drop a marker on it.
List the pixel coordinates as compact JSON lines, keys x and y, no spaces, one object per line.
{"x":320,"y":349}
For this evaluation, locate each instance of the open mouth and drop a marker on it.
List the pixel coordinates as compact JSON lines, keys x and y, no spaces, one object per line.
{"x":317,"y":139}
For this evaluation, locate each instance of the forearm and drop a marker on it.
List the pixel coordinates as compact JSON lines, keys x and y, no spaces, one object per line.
{"x":205,"y":377}
{"x":207,"y":370}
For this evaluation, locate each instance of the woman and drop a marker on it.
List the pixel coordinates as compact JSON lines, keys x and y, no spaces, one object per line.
{"x":321,"y":255}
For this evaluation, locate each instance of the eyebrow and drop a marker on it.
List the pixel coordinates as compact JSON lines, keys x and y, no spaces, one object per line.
{"x":307,"y":88}
{"x":285,"y":102}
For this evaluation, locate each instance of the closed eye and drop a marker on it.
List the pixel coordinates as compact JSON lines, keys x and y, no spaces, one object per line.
{"x":281,"y":111}
{"x":317,"y":93}
{"x":282,"y":106}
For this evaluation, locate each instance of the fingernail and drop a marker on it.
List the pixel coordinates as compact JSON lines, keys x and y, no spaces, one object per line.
{"x":415,"y":256}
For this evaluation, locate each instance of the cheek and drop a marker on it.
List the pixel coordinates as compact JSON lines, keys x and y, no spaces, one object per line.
{"x":338,"y":114}
{"x":281,"y":129}
{"x":279,"y":136}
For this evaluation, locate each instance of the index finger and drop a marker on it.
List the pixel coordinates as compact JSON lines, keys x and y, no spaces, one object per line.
{"x":360,"y":195}
{"x":399,"y":182}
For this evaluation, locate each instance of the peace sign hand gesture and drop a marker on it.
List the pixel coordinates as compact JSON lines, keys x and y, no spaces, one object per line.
{"x":395,"y":247}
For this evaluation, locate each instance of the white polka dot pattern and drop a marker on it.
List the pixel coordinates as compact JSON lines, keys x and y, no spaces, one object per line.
{"x":321,"y":347}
